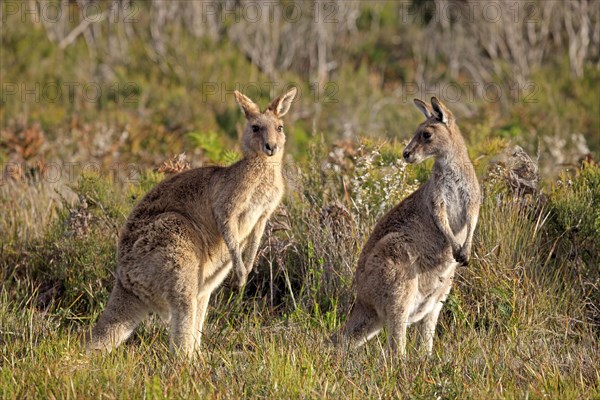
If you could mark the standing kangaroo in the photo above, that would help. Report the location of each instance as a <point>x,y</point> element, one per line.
<point>406,268</point>
<point>182,239</point>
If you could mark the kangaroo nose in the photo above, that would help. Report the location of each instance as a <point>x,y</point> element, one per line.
<point>270,149</point>
<point>406,154</point>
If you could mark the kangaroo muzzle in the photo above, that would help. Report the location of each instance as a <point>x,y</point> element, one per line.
<point>409,154</point>
<point>270,149</point>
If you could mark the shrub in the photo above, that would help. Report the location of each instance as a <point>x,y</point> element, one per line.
<point>575,232</point>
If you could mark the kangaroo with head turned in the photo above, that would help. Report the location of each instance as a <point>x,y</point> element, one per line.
<point>406,268</point>
<point>182,239</point>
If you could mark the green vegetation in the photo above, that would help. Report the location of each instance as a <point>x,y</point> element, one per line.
<point>523,320</point>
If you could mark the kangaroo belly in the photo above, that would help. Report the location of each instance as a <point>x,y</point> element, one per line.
<point>258,206</point>
<point>214,280</point>
<point>433,289</point>
<point>248,219</point>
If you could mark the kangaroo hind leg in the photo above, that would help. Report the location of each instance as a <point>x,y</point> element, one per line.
<point>362,324</point>
<point>122,314</point>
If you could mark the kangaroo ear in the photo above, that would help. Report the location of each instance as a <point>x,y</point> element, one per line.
<point>425,109</point>
<point>281,105</point>
<point>248,106</point>
<point>441,113</point>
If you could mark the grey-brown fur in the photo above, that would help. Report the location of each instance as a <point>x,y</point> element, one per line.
<point>189,231</point>
<point>406,268</point>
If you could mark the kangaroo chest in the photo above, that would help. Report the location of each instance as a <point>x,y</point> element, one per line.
<point>455,199</point>
<point>257,205</point>
<point>253,207</point>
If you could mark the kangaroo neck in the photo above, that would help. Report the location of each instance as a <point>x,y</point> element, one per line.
<point>267,167</point>
<point>452,164</point>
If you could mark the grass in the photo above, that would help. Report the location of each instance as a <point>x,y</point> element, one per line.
<point>288,358</point>
<point>519,322</point>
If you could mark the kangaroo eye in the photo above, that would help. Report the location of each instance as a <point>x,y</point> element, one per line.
<point>280,128</point>
<point>255,128</point>
<point>426,135</point>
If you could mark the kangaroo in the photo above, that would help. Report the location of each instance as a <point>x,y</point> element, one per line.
<point>406,268</point>
<point>182,239</point>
